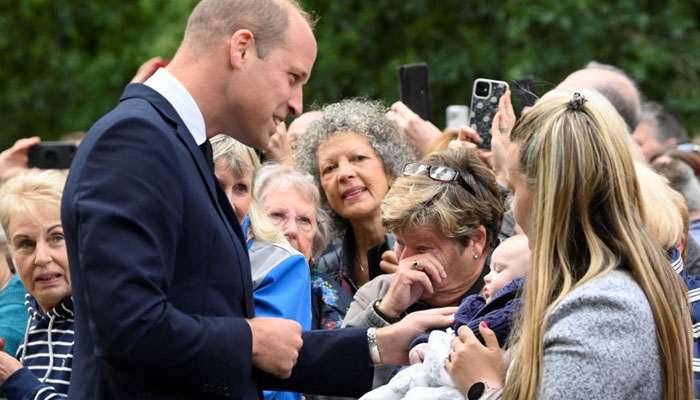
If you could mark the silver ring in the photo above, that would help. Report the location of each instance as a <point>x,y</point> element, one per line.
<point>504,128</point>
<point>449,355</point>
<point>415,263</point>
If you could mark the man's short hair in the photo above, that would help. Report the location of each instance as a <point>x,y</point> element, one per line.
<point>664,122</point>
<point>213,20</point>
<point>625,106</point>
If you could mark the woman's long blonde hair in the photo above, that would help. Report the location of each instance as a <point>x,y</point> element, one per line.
<point>586,221</point>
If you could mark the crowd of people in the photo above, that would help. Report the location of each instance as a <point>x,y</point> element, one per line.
<point>198,247</point>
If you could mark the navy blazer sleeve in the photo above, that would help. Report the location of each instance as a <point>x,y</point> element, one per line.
<point>134,209</point>
<point>332,363</point>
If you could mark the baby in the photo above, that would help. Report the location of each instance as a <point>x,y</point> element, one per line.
<point>427,378</point>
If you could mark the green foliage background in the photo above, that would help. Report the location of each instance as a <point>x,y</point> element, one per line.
<point>64,63</point>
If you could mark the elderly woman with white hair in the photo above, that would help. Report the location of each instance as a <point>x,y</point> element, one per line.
<point>293,203</point>
<point>354,154</point>
<point>30,215</point>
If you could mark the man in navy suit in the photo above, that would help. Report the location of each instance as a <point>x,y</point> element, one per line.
<point>161,277</point>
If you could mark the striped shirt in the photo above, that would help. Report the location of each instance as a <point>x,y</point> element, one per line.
<point>692,282</point>
<point>46,354</point>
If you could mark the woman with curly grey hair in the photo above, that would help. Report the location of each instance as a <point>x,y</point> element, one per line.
<point>354,153</point>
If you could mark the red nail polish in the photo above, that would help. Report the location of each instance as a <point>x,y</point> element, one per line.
<point>483,324</point>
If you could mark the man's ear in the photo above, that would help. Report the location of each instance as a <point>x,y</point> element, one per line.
<point>241,47</point>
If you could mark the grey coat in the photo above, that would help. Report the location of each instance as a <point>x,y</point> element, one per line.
<point>600,343</point>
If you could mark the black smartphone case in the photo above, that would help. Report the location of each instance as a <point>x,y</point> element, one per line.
<point>483,109</point>
<point>51,155</point>
<point>414,90</point>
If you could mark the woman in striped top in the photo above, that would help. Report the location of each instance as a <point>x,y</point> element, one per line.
<point>30,214</point>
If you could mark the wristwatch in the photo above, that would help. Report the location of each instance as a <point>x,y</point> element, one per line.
<point>478,389</point>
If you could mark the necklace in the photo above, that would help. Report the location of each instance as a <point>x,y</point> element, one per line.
<point>357,258</point>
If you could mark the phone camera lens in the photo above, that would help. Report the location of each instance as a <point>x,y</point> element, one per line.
<point>483,89</point>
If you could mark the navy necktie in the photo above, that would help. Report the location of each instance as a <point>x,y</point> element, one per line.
<point>208,154</point>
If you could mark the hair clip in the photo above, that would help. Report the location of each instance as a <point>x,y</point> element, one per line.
<point>577,101</point>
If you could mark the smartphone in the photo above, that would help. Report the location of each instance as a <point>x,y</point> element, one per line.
<point>457,115</point>
<point>414,90</point>
<point>51,155</point>
<point>485,96</point>
<point>525,88</point>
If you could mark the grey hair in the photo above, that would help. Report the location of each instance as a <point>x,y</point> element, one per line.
<point>681,178</point>
<point>625,106</point>
<point>213,20</point>
<point>665,123</point>
<point>278,177</point>
<point>360,116</point>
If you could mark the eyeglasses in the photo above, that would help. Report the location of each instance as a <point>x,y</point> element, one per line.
<point>302,222</point>
<point>439,173</point>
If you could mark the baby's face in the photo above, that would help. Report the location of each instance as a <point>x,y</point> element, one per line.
<point>510,260</point>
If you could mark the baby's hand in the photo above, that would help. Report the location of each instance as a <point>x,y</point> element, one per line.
<point>417,353</point>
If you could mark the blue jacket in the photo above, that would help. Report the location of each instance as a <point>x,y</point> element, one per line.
<point>498,314</point>
<point>46,353</point>
<point>281,288</point>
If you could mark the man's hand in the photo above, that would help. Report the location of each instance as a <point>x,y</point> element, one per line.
<point>417,131</point>
<point>393,340</point>
<point>279,147</point>
<point>8,364</point>
<point>413,280</point>
<point>276,344</point>
<point>14,160</point>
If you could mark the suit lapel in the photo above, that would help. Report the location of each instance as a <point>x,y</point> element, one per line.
<point>216,194</point>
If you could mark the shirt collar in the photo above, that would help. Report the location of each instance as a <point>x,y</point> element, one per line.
<point>169,87</point>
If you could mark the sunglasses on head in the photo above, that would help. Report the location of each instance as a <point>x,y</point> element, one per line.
<point>439,173</point>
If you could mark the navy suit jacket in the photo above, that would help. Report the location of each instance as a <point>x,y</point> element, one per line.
<point>160,273</point>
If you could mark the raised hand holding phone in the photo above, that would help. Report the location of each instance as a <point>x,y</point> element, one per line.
<point>486,94</point>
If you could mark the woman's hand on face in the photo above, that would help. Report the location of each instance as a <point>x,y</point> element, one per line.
<point>389,263</point>
<point>469,361</point>
<point>414,278</point>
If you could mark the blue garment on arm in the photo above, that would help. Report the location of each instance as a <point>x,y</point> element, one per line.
<point>281,288</point>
